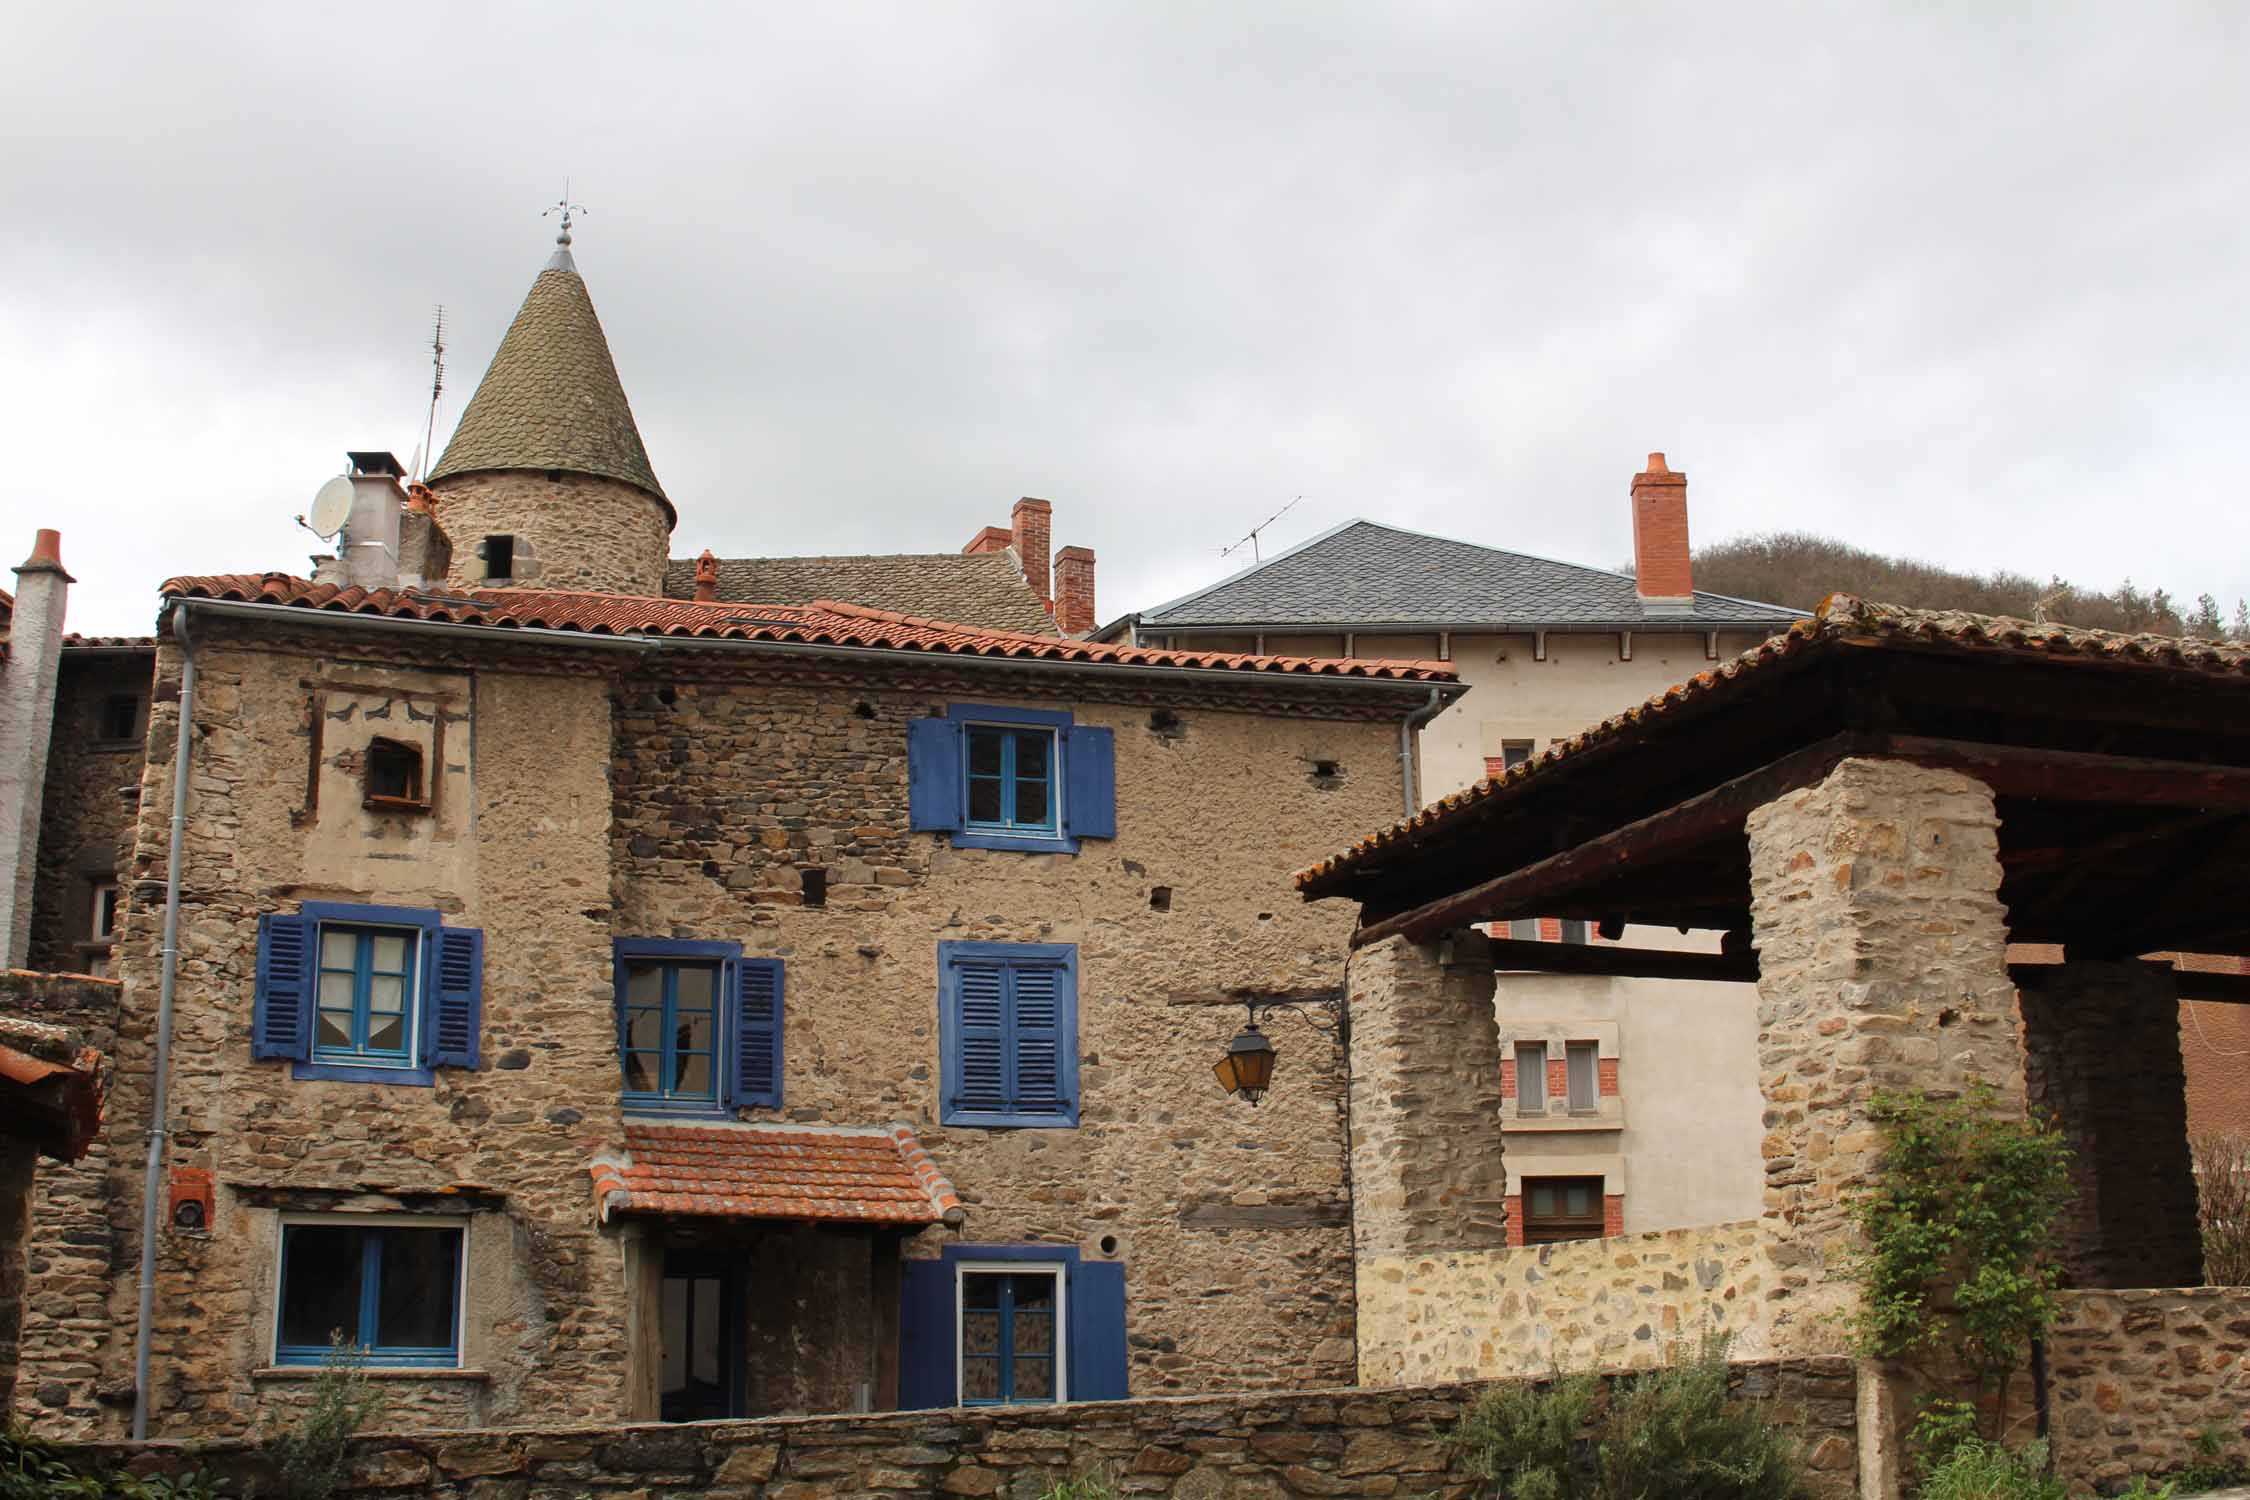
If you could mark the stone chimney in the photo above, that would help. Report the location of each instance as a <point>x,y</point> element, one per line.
<point>1034,526</point>
<point>1661,571</point>
<point>991,539</point>
<point>32,661</point>
<point>1074,590</point>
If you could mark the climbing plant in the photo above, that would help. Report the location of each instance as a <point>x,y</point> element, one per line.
<point>1955,1273</point>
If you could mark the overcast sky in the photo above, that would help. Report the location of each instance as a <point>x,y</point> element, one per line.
<point>1922,277</point>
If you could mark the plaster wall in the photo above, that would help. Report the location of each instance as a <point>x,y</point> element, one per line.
<point>27,707</point>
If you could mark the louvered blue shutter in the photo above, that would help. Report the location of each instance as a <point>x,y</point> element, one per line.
<point>754,1076</point>
<point>978,1065</point>
<point>456,1013</point>
<point>925,1334</point>
<point>281,1012</point>
<point>1098,1364</point>
<point>1090,790</point>
<point>933,775</point>
<point>1039,1043</point>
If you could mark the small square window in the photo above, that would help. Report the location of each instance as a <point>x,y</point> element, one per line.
<point>1011,780</point>
<point>394,776</point>
<point>366,1010</point>
<point>391,1290</point>
<point>1561,1208</point>
<point>499,557</point>
<point>121,716</point>
<point>1531,1078</point>
<point>105,911</point>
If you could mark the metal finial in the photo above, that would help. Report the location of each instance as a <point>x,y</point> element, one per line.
<point>563,206</point>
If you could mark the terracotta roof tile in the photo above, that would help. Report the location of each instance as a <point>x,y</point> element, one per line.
<point>865,1175</point>
<point>76,642</point>
<point>823,622</point>
<point>986,589</point>
<point>51,1087</point>
<point>1840,618</point>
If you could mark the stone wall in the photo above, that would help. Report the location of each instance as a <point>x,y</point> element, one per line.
<point>1274,1445</point>
<point>19,1165</point>
<point>1882,947</point>
<point>91,788</point>
<point>2134,1375</point>
<point>77,1209</point>
<point>1609,1304</point>
<point>573,531</point>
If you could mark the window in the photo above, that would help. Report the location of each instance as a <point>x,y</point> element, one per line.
<point>394,775</point>
<point>499,557</point>
<point>376,994</point>
<point>1011,778</point>
<point>364,1009</point>
<point>1574,930</point>
<point>1531,1078</point>
<point>698,1026</point>
<point>105,911</point>
<point>1585,1089</point>
<point>1008,1033</point>
<point>1561,1208</point>
<point>1011,1334</point>
<point>391,1289</point>
<point>121,716</point>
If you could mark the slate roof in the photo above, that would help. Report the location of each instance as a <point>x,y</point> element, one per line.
<point>1841,620</point>
<point>823,623</point>
<point>1365,573</point>
<point>984,588</point>
<point>831,1173</point>
<point>551,398</point>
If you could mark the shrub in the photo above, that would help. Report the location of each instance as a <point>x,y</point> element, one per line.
<point>1977,1470</point>
<point>2222,1190</point>
<point>1095,1486</point>
<point>1526,1442</point>
<point>310,1452</point>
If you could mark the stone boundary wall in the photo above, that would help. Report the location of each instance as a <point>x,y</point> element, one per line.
<point>1621,1303</point>
<point>2132,1375</point>
<point>1269,1445</point>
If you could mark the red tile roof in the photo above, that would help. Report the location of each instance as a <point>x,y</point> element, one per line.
<point>864,1175</point>
<point>76,642</point>
<point>51,1087</point>
<point>824,622</point>
<point>1840,620</point>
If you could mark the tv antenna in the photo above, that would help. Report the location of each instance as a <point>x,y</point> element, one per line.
<point>1252,538</point>
<point>437,389</point>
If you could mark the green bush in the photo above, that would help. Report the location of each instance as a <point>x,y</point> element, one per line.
<point>1670,1433</point>
<point>1977,1470</point>
<point>31,1469</point>
<point>310,1453</point>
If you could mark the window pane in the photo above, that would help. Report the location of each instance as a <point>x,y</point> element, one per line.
<point>693,1031</point>
<point>644,983</point>
<point>984,752</point>
<point>641,1070</point>
<point>337,948</point>
<point>980,1379</point>
<point>336,990</point>
<point>414,1306</point>
<point>980,1332</point>
<point>644,1029</point>
<point>984,801</point>
<point>1035,1380</point>
<point>319,1284</point>
<point>1032,753</point>
<point>386,1033</point>
<point>334,1030</point>
<point>1531,1078</point>
<point>1578,1202</point>
<point>1035,1331</point>
<point>695,1078</point>
<point>1585,1093</point>
<point>698,988</point>
<point>1542,1201</point>
<point>386,993</point>
<point>390,952</point>
<point>1031,802</point>
<point>703,1360</point>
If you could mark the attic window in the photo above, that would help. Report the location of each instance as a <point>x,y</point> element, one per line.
<point>121,715</point>
<point>499,557</point>
<point>394,777</point>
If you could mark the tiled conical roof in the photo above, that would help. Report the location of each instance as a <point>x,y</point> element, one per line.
<point>551,399</point>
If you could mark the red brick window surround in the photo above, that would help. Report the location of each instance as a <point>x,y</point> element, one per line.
<point>1556,1209</point>
<point>1613,1220</point>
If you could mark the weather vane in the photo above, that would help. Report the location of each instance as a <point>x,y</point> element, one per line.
<point>566,208</point>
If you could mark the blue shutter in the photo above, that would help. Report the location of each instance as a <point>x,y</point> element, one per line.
<point>933,775</point>
<point>976,1036</point>
<point>925,1334</point>
<point>1090,795</point>
<point>281,1013</point>
<point>1097,1331</point>
<point>456,1012</point>
<point>1039,1041</point>
<point>754,1076</point>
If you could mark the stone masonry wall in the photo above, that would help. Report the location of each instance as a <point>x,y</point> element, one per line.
<point>2102,1058</point>
<point>2134,1375</point>
<point>1882,947</point>
<point>1608,1304</point>
<point>72,1250</point>
<point>19,1165</point>
<point>582,531</point>
<point>1272,1446</point>
<point>84,817</point>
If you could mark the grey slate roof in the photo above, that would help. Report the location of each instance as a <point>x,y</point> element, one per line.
<point>1366,574</point>
<point>984,589</point>
<point>551,398</point>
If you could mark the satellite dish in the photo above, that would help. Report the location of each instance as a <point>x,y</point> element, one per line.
<point>331,506</point>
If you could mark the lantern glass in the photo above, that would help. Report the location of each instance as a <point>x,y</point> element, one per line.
<point>1247,1069</point>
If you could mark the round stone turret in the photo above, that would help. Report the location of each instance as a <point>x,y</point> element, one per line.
<point>546,483</point>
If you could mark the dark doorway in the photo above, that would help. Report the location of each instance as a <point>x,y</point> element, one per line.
<point>701,1377</point>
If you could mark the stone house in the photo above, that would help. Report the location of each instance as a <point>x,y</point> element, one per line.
<point>603,1002</point>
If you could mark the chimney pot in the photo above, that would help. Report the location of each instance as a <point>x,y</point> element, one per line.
<point>1663,575</point>
<point>706,578</point>
<point>46,554</point>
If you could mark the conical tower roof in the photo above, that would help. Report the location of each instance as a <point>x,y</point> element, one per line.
<point>551,398</point>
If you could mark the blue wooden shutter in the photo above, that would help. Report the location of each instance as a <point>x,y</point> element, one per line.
<point>755,1073</point>
<point>1097,1331</point>
<point>978,1065</point>
<point>281,1013</point>
<point>933,775</point>
<point>925,1334</point>
<point>1039,1041</point>
<point>456,1011</point>
<point>1090,793</point>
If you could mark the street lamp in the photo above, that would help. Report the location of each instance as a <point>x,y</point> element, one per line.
<point>1247,1068</point>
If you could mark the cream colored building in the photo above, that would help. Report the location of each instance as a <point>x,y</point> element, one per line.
<point>1647,1117</point>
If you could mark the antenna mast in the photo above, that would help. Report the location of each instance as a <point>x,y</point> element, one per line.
<point>437,389</point>
<point>1252,537</point>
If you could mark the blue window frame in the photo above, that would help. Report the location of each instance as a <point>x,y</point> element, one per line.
<point>366,1000</point>
<point>1011,779</point>
<point>1024,779</point>
<point>1008,1034</point>
<point>1011,1334</point>
<point>393,1290</point>
<point>935,1328</point>
<point>698,1026</point>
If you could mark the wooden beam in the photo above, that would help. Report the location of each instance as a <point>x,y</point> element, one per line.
<point>1251,995</point>
<point>2201,984</point>
<point>2078,775</point>
<point>1622,963</point>
<point>1683,826</point>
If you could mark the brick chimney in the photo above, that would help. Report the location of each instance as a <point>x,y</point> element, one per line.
<point>1661,571</point>
<point>1074,590</point>
<point>32,661</point>
<point>1034,526</point>
<point>991,539</point>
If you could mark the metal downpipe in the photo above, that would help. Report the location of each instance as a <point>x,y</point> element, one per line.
<point>182,749</point>
<point>1406,728</point>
